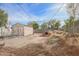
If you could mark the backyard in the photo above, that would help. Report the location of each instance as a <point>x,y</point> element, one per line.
<point>36,44</point>
<point>39,29</point>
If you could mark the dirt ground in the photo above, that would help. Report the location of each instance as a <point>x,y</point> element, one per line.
<point>57,44</point>
<point>18,42</point>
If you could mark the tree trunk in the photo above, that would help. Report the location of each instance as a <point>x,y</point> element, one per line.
<point>1,33</point>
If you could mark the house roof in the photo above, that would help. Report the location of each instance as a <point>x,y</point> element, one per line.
<point>17,24</point>
<point>21,25</point>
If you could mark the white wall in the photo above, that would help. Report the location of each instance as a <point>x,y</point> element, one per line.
<point>8,31</point>
<point>28,30</point>
<point>5,31</point>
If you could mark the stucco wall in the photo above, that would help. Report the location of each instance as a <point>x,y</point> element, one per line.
<point>17,31</point>
<point>28,31</point>
<point>22,30</point>
<point>5,31</point>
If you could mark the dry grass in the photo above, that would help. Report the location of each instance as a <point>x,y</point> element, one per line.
<point>56,45</point>
<point>40,50</point>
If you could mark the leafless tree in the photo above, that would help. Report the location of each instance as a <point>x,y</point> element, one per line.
<point>72,10</point>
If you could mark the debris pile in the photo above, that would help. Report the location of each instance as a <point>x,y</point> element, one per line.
<point>58,43</point>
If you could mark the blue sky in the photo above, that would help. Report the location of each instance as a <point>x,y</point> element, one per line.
<point>40,12</point>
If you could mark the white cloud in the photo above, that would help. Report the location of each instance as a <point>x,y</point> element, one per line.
<point>49,13</point>
<point>28,16</point>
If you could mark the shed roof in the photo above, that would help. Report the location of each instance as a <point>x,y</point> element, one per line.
<point>17,24</point>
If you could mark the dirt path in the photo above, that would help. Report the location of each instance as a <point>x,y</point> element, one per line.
<point>18,42</point>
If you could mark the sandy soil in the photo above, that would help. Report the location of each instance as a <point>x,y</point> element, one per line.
<point>18,42</point>
<point>58,44</point>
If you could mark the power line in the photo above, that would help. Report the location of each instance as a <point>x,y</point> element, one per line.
<point>58,10</point>
<point>21,8</point>
<point>7,7</point>
<point>24,12</point>
<point>41,21</point>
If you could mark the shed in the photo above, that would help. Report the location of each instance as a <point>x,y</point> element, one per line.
<point>21,30</point>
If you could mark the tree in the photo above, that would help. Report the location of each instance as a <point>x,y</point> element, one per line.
<point>72,9</point>
<point>55,24</point>
<point>66,25</point>
<point>44,26</point>
<point>34,24</point>
<point>69,23</point>
<point>73,12</point>
<point>3,19</point>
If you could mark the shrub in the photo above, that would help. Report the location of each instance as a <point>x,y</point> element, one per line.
<point>53,40</point>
